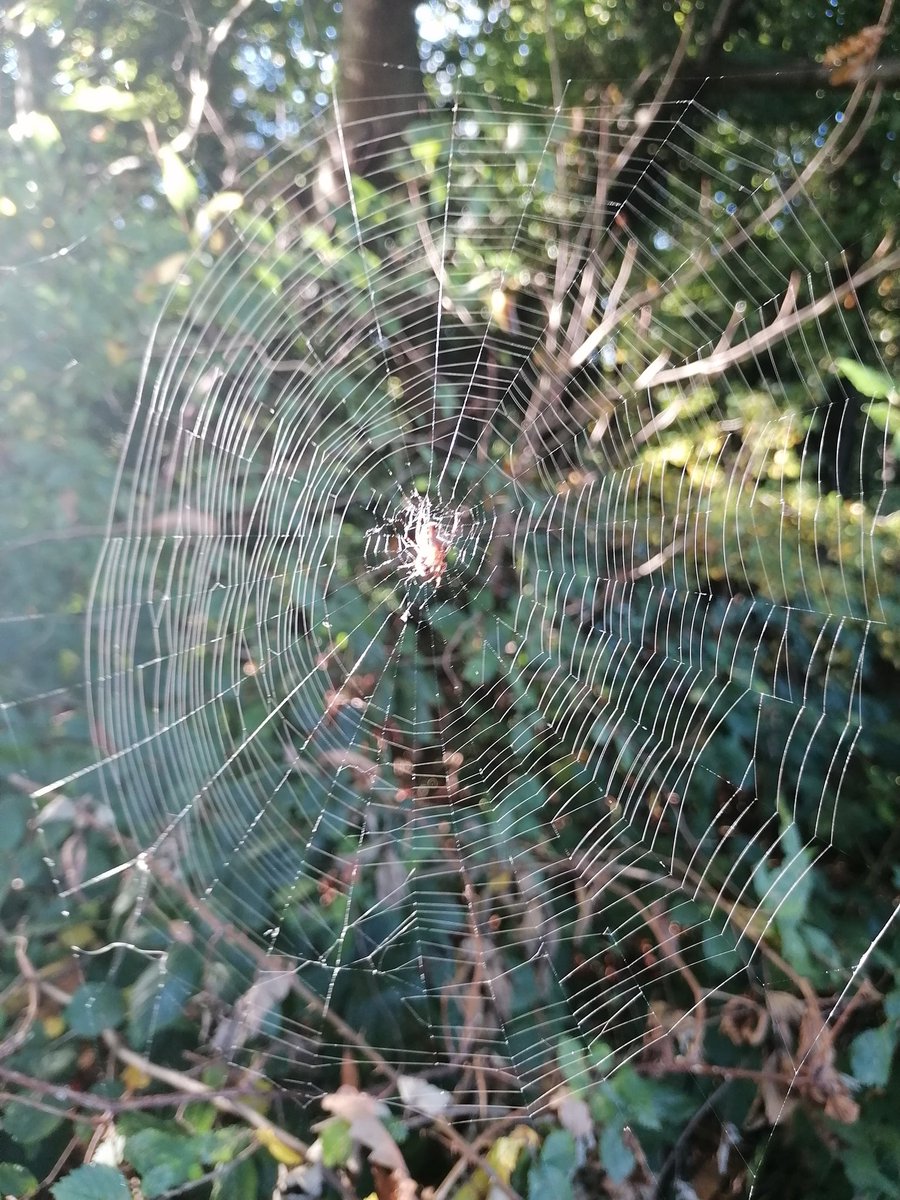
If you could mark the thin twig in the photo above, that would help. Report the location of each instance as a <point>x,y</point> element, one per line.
<point>485,1139</point>
<point>102,1105</point>
<point>16,1037</point>
<point>789,319</point>
<point>701,262</point>
<point>655,916</point>
<point>199,76</point>
<point>186,1083</point>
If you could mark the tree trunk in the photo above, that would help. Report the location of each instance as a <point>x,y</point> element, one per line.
<point>377,100</point>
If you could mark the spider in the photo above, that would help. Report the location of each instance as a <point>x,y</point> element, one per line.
<point>424,543</point>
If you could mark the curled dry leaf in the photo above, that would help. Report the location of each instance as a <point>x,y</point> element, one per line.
<point>365,1115</point>
<point>785,1012</point>
<point>268,989</point>
<point>777,1101</point>
<point>744,1021</point>
<point>811,1071</point>
<point>848,59</point>
<point>841,1106</point>
<point>389,1185</point>
<point>667,1036</point>
<point>818,1079</point>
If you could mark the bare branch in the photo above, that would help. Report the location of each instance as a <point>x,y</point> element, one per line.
<point>199,76</point>
<point>789,319</point>
<point>610,316</point>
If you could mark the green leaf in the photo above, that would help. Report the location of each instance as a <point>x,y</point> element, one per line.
<point>868,381</point>
<point>178,184</point>
<point>164,1160</point>
<point>886,415</point>
<point>721,954</point>
<point>26,1125</point>
<point>16,1180</point>
<point>95,1007</point>
<point>640,1098</point>
<point>560,1151</point>
<point>427,151</point>
<point>870,1055</point>
<point>160,993</point>
<point>574,1064</point>
<point>200,1117</point>
<point>617,1159</point>
<point>237,1182</point>
<point>552,1174</point>
<point>336,1142</point>
<point>93,1182</point>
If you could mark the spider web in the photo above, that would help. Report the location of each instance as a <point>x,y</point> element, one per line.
<point>479,636</point>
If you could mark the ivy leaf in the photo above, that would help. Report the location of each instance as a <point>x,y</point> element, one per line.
<point>92,1182</point>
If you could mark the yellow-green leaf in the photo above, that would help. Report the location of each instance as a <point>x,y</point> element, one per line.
<point>278,1149</point>
<point>178,184</point>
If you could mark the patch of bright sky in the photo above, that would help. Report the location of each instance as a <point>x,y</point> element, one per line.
<point>440,21</point>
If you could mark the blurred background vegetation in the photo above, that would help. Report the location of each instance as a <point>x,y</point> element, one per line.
<point>129,134</point>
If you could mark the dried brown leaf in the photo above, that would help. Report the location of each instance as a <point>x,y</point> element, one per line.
<point>744,1021</point>
<point>365,1115</point>
<point>268,989</point>
<point>778,1103</point>
<point>850,57</point>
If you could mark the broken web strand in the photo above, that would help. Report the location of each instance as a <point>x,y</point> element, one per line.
<point>555,597</point>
